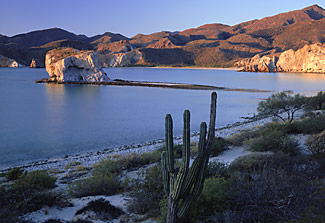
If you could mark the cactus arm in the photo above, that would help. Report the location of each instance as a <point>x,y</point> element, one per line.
<point>169,143</point>
<point>184,206</point>
<point>211,133</point>
<point>202,140</point>
<point>165,174</point>
<point>186,140</point>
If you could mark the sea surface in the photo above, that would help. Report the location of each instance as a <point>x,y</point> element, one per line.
<point>41,121</point>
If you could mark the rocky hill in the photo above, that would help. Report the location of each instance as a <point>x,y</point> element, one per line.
<point>211,45</point>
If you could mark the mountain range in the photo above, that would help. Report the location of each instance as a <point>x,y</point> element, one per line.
<point>211,45</point>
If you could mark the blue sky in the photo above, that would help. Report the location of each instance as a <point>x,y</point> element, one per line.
<point>130,17</point>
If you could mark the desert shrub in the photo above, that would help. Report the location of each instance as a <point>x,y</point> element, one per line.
<point>311,125</point>
<point>219,145</point>
<point>316,143</point>
<point>274,141</point>
<point>29,193</point>
<point>14,173</point>
<point>103,209</point>
<point>126,162</point>
<point>256,162</point>
<point>238,139</point>
<point>316,102</point>
<point>97,184</point>
<point>216,169</point>
<point>146,192</point>
<point>271,188</point>
<point>35,180</point>
<point>213,201</point>
<point>250,163</point>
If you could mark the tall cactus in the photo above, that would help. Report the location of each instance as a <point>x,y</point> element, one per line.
<point>183,186</point>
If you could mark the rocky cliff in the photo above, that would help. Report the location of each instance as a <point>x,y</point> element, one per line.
<point>71,65</point>
<point>309,59</point>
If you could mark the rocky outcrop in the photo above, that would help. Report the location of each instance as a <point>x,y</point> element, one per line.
<point>124,59</point>
<point>71,65</point>
<point>259,63</point>
<point>309,59</point>
<point>33,64</point>
<point>7,62</point>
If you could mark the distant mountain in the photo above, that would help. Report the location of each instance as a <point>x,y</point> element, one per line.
<point>211,45</point>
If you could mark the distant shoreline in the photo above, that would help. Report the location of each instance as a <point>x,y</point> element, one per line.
<point>185,67</point>
<point>119,82</point>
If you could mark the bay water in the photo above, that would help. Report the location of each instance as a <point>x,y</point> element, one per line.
<point>41,121</point>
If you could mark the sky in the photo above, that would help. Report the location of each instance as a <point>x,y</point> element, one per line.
<point>130,17</point>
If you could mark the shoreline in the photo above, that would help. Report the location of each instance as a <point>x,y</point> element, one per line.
<point>88,159</point>
<point>120,82</point>
<point>185,67</point>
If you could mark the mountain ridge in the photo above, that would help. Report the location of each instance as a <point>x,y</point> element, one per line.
<point>209,45</point>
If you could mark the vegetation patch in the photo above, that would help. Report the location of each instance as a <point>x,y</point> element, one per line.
<point>103,210</point>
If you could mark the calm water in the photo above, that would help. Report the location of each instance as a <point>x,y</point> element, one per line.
<point>40,121</point>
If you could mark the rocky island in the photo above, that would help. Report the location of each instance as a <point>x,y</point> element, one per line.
<point>71,65</point>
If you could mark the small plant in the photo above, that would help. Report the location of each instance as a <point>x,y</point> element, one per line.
<point>97,184</point>
<point>316,102</point>
<point>14,173</point>
<point>103,210</point>
<point>35,180</point>
<point>316,143</point>
<point>274,141</point>
<point>213,201</point>
<point>219,145</point>
<point>311,125</point>
<point>146,192</point>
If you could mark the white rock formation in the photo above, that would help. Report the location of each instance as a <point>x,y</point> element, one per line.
<point>309,59</point>
<point>7,62</point>
<point>124,59</point>
<point>71,65</point>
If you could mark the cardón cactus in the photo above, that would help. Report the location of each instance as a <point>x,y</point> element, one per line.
<point>183,186</point>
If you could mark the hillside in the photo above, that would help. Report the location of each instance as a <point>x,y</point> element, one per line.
<point>210,45</point>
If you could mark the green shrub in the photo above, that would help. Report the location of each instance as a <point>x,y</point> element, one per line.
<point>28,193</point>
<point>146,192</point>
<point>316,143</point>
<point>250,163</point>
<point>97,184</point>
<point>219,145</point>
<point>216,169</point>
<point>35,180</point>
<point>213,201</point>
<point>260,184</point>
<point>126,162</point>
<point>274,141</point>
<point>238,139</point>
<point>316,102</point>
<point>311,125</point>
<point>14,173</point>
